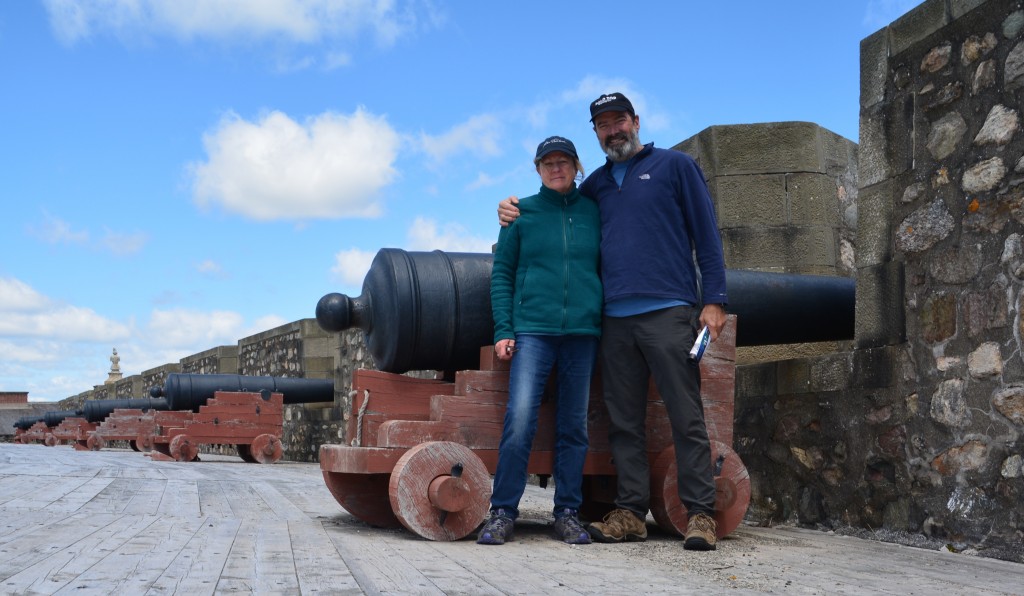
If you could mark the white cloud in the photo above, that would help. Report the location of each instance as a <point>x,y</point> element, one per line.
<point>55,350</point>
<point>426,234</point>
<point>480,135</point>
<point>210,268</point>
<point>331,166</point>
<point>27,352</point>
<point>17,296</point>
<point>335,60</point>
<point>123,244</point>
<point>350,266</point>
<point>182,328</point>
<point>68,323</point>
<point>54,230</point>
<point>296,21</point>
<point>592,87</point>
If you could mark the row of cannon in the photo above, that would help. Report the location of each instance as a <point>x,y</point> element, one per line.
<point>419,453</point>
<point>188,392</point>
<point>188,411</point>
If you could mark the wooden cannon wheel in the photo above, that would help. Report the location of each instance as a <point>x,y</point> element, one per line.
<point>440,490</point>
<point>182,448</point>
<point>95,442</point>
<point>266,449</point>
<point>144,441</point>
<point>49,440</point>
<point>363,495</point>
<point>133,444</point>
<point>732,490</point>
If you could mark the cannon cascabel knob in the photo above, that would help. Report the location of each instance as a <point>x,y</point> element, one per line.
<point>333,312</point>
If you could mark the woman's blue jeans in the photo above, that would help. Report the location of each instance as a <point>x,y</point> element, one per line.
<point>537,355</point>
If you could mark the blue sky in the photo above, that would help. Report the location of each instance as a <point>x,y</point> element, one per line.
<point>175,176</point>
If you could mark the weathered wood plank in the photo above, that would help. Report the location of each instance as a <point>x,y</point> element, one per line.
<point>134,566</point>
<point>64,566</point>
<point>260,560</point>
<point>318,564</point>
<point>213,501</point>
<point>376,566</point>
<point>197,568</point>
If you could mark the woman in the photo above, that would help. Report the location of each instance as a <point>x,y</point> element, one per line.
<point>546,302</point>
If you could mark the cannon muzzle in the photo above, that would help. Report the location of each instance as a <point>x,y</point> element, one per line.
<point>432,311</point>
<point>189,392</point>
<point>97,410</point>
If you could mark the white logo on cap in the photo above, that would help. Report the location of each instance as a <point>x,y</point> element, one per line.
<point>606,99</point>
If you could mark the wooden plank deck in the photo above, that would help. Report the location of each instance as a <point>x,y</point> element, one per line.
<point>115,522</point>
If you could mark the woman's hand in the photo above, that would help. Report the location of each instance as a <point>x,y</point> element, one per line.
<point>505,349</point>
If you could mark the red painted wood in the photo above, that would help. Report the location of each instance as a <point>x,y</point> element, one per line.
<point>244,419</point>
<point>414,477</point>
<point>403,413</point>
<point>732,490</point>
<point>183,448</point>
<point>266,448</point>
<point>365,496</point>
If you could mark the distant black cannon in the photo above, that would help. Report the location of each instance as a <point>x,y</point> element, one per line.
<point>55,417</point>
<point>97,410</point>
<point>26,422</point>
<point>189,391</point>
<point>432,310</point>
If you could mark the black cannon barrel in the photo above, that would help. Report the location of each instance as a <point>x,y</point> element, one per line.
<point>432,311</point>
<point>55,417</point>
<point>785,308</point>
<point>419,310</point>
<point>189,392</point>
<point>97,410</point>
<point>26,422</point>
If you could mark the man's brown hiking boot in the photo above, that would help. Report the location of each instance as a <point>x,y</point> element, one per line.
<point>618,526</point>
<point>701,533</point>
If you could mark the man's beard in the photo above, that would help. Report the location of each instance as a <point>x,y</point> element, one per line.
<point>622,151</point>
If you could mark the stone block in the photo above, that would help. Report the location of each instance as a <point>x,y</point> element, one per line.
<point>874,368</point>
<point>959,8</point>
<point>924,20</point>
<point>318,368</point>
<point>839,154</point>
<point>699,148</point>
<point>789,249</point>
<point>756,380</point>
<point>758,249</point>
<point>810,248</point>
<point>873,155</point>
<point>777,147</point>
<point>880,317</point>
<point>831,372</point>
<point>794,377</point>
<point>751,200</point>
<point>813,199</point>
<point>874,68</point>
<point>874,224</point>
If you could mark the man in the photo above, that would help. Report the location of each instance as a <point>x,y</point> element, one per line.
<point>656,212</point>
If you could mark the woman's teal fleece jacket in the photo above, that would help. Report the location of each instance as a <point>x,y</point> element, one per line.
<point>546,277</point>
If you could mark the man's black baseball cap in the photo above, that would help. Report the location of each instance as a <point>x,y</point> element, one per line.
<point>610,102</point>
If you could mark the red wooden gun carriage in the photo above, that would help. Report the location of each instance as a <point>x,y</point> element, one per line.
<point>421,452</point>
